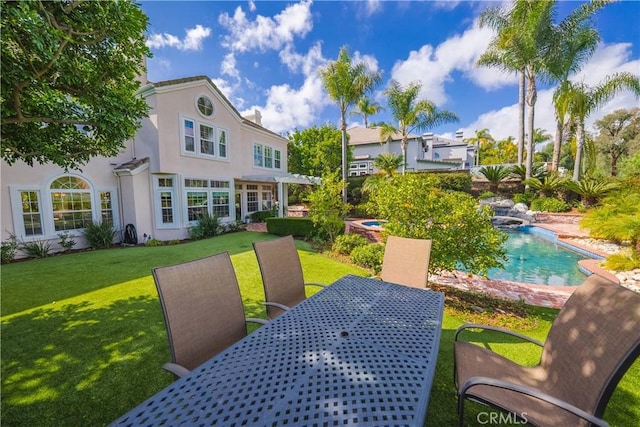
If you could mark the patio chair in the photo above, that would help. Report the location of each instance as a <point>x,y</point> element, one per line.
<point>593,341</point>
<point>406,261</point>
<point>202,309</point>
<point>282,276</point>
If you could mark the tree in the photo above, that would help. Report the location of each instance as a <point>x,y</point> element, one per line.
<point>366,107</point>
<point>481,139</point>
<point>573,42</point>
<point>388,163</point>
<point>346,83</point>
<point>315,151</point>
<point>68,79</point>
<point>618,131</point>
<point>462,233</point>
<point>326,209</point>
<point>583,100</point>
<point>411,114</point>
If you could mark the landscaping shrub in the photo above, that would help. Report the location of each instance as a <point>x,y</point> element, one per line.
<point>622,261</point>
<point>369,256</point>
<point>8,249</point>
<point>549,204</point>
<point>455,182</point>
<point>36,248</point>
<point>486,195</point>
<point>261,216</point>
<point>525,198</point>
<point>154,242</point>
<point>299,227</point>
<point>207,226</point>
<point>66,241</point>
<point>99,234</point>
<point>346,243</point>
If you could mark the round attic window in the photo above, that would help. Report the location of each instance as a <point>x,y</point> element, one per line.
<point>205,106</point>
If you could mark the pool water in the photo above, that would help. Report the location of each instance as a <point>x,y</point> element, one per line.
<point>533,259</point>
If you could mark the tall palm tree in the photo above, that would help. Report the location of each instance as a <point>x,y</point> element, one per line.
<point>346,83</point>
<point>573,43</point>
<point>365,108</point>
<point>524,33</point>
<point>583,100</point>
<point>411,114</point>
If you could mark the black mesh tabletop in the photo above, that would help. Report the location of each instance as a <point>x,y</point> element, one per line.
<point>359,352</point>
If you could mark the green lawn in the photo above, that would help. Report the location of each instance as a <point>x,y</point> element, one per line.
<point>83,338</point>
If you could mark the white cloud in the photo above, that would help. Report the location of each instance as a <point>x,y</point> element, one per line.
<point>252,5</point>
<point>369,61</point>
<point>265,33</point>
<point>192,40</point>
<point>228,66</point>
<point>433,67</point>
<point>307,64</point>
<point>288,108</point>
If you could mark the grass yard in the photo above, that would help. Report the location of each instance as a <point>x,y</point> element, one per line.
<point>83,338</point>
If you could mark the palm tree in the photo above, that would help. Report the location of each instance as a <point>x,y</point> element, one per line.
<point>346,83</point>
<point>365,108</point>
<point>498,55</point>
<point>411,114</point>
<point>573,43</point>
<point>388,163</point>
<point>583,100</point>
<point>481,138</point>
<point>524,34</point>
<point>495,174</point>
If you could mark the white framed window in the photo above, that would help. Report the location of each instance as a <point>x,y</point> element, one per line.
<point>222,143</point>
<point>205,106</point>
<point>258,155</point>
<point>189,136</point>
<point>204,196</point>
<point>66,203</point>
<point>207,140</point>
<point>268,157</point>
<point>204,140</point>
<point>265,156</point>
<point>31,216</point>
<point>277,159</point>
<point>266,199</point>
<point>71,203</point>
<point>165,201</point>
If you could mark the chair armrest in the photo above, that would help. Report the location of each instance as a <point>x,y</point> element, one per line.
<point>256,320</point>
<point>177,370</point>
<point>496,329</point>
<point>322,285</point>
<point>275,304</point>
<point>493,382</point>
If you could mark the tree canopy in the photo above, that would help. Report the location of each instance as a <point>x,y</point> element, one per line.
<point>316,150</point>
<point>69,79</point>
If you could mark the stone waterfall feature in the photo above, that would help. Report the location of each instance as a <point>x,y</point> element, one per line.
<point>507,213</point>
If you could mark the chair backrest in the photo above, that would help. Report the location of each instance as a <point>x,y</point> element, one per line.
<point>202,308</point>
<point>591,344</point>
<point>406,261</point>
<point>281,273</point>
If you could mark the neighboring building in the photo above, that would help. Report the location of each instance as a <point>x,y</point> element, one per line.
<point>194,153</point>
<point>427,152</point>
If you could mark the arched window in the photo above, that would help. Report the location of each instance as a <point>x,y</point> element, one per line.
<point>71,203</point>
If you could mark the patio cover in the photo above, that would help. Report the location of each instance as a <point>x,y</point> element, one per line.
<point>281,179</point>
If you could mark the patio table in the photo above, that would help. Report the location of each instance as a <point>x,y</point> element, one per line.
<point>359,352</point>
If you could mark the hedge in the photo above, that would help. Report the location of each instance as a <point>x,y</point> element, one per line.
<point>299,227</point>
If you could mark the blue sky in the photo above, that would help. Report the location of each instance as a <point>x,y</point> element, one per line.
<point>265,55</point>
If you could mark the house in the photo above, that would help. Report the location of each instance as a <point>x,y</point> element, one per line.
<point>194,153</point>
<point>426,152</point>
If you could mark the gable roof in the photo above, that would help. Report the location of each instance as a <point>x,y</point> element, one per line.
<point>359,135</point>
<point>152,87</point>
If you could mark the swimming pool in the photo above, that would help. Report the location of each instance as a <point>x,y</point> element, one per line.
<point>538,258</point>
